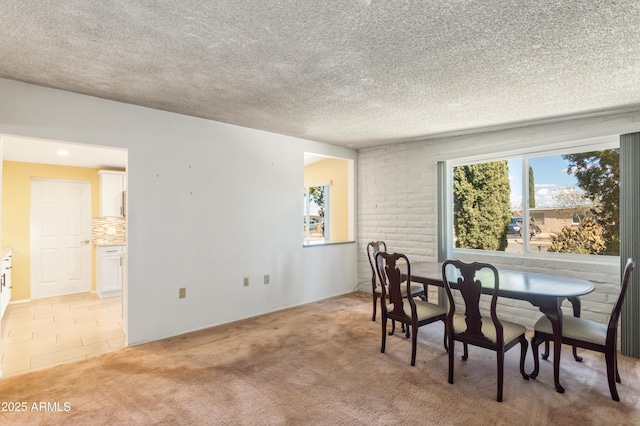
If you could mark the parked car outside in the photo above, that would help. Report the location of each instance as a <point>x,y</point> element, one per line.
<point>515,226</point>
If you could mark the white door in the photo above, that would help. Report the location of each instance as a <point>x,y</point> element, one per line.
<point>60,237</point>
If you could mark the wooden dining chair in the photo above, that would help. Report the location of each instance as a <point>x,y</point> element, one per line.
<point>472,328</point>
<point>587,334</point>
<point>412,312</point>
<point>372,249</point>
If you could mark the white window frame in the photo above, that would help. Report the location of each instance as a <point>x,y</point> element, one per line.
<point>595,144</point>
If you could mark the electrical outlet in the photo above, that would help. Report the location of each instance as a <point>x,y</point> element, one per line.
<point>182,293</point>
<point>246,281</point>
<point>267,279</point>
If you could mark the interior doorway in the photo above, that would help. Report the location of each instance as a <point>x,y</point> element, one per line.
<point>23,158</point>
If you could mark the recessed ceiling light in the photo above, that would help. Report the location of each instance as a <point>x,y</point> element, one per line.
<point>62,152</point>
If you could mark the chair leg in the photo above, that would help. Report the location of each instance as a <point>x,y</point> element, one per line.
<point>375,305</point>
<point>393,327</point>
<point>414,342</point>
<point>575,354</point>
<point>384,332</point>
<point>500,357</point>
<point>465,352</point>
<point>535,343</point>
<point>446,343</point>
<point>451,348</point>
<point>524,345</point>
<point>610,358</point>
<point>545,355</point>
<point>617,373</point>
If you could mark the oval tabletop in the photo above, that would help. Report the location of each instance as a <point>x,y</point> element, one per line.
<point>515,283</point>
<point>543,284</point>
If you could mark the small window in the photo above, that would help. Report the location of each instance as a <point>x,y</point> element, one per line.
<point>328,200</point>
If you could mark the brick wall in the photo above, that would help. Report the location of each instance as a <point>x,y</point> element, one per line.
<point>397,197</point>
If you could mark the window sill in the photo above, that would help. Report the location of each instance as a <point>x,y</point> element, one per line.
<point>506,257</point>
<point>308,244</point>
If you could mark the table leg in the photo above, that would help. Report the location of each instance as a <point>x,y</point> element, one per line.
<point>554,313</point>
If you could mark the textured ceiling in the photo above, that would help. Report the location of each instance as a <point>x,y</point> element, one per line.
<point>356,73</point>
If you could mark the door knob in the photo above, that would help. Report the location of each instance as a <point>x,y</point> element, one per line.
<point>85,242</point>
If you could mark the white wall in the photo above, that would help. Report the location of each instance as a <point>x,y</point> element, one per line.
<point>397,203</point>
<point>208,204</point>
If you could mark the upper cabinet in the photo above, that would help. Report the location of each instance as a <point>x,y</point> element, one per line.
<point>113,187</point>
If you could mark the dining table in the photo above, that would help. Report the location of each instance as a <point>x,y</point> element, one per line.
<point>545,291</point>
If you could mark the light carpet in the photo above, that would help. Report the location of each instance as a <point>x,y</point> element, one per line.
<point>318,364</point>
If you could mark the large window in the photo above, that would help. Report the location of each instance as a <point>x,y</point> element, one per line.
<point>557,201</point>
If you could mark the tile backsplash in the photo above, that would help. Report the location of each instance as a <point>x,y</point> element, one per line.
<point>108,230</point>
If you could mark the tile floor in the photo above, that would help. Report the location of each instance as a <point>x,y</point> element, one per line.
<point>59,330</point>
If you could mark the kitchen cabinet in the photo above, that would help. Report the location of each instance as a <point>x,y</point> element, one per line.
<point>109,271</point>
<point>113,187</point>
<point>5,282</point>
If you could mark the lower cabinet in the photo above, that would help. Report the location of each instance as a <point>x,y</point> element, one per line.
<point>109,271</point>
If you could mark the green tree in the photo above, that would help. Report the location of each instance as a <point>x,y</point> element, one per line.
<point>482,205</point>
<point>316,195</point>
<point>598,174</point>
<point>532,190</point>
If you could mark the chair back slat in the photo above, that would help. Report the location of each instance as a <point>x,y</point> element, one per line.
<point>467,278</point>
<point>391,278</point>
<point>373,248</point>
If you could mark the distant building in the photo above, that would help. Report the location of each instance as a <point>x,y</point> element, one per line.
<point>551,220</point>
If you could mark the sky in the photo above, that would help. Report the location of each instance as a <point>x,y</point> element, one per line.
<point>550,174</point>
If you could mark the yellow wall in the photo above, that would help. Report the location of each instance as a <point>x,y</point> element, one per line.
<point>337,171</point>
<point>16,205</point>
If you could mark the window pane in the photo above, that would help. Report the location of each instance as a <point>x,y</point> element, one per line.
<point>481,205</point>
<point>576,203</point>
<point>315,213</point>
